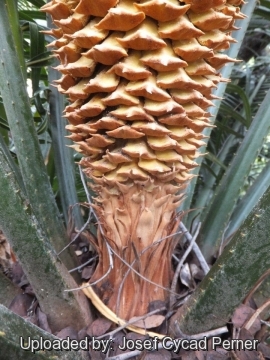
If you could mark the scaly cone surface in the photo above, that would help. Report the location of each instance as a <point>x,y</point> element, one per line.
<point>139,77</point>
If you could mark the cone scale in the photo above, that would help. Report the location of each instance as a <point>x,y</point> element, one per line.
<point>139,77</point>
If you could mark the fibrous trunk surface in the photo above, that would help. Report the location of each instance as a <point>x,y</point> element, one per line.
<point>139,76</point>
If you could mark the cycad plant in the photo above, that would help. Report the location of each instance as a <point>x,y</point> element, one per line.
<point>162,96</point>
<point>139,78</point>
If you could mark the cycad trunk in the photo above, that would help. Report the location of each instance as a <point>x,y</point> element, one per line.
<point>139,77</point>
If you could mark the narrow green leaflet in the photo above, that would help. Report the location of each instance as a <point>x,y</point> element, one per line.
<point>13,20</point>
<point>226,194</point>
<point>263,12</point>
<point>31,14</point>
<point>249,200</point>
<point>64,162</point>
<point>234,114</point>
<point>232,88</point>
<point>214,159</point>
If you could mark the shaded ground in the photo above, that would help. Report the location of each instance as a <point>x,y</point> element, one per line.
<point>248,328</point>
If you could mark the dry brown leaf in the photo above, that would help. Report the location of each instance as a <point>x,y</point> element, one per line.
<point>196,272</point>
<point>242,314</point>
<point>43,321</point>
<point>16,273</point>
<point>247,354</point>
<point>99,327</point>
<point>200,354</point>
<point>68,332</point>
<point>221,354</point>
<point>149,322</point>
<point>21,303</point>
<point>118,341</point>
<point>265,350</point>
<point>156,304</point>
<point>87,272</point>
<point>161,354</point>
<point>82,333</point>
<point>97,355</point>
<point>189,355</point>
<point>185,276</point>
<point>32,319</point>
